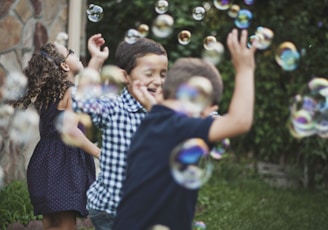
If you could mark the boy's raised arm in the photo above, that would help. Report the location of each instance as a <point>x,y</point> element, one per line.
<point>239,117</point>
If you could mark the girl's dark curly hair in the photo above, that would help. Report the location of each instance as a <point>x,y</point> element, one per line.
<point>47,81</point>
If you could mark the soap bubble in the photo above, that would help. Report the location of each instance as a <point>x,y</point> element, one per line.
<point>88,84</point>
<point>199,225</point>
<point>220,149</point>
<point>131,36</point>
<point>163,25</point>
<point>222,4</point>
<point>190,163</point>
<point>287,56</point>
<point>214,53</point>
<point>14,86</point>
<point>208,41</point>
<point>112,80</point>
<point>161,6</point>
<point>198,13</point>
<point>233,11</point>
<point>195,95</point>
<point>243,19</point>
<point>143,30</point>
<point>262,38</point>
<point>95,13</point>
<point>184,37</point>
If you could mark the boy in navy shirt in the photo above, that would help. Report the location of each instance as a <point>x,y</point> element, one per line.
<point>151,196</point>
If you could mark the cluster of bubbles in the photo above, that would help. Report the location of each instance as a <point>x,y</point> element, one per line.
<point>287,56</point>
<point>17,127</point>
<point>309,110</point>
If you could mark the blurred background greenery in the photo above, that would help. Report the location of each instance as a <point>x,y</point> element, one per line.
<point>304,23</point>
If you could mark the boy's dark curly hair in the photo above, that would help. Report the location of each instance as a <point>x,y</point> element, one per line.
<point>47,81</point>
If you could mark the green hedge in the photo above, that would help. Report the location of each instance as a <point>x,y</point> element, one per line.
<point>304,23</point>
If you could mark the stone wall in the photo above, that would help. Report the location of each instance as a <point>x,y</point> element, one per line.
<point>25,25</point>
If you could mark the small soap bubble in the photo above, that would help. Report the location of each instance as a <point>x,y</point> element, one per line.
<point>199,225</point>
<point>88,85</point>
<point>163,25</point>
<point>112,80</point>
<point>184,37</point>
<point>131,36</point>
<point>233,11</point>
<point>190,163</point>
<point>23,126</point>
<point>243,19</point>
<point>161,6</point>
<point>195,95</point>
<point>65,124</point>
<point>198,13</point>
<point>95,13</point>
<point>62,38</point>
<point>222,4</point>
<point>214,53</point>
<point>220,149</point>
<point>264,37</point>
<point>287,56</point>
<point>14,86</point>
<point>208,42</point>
<point>143,30</point>
<point>249,2</point>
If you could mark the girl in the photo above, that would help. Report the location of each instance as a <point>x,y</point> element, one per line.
<point>58,175</point>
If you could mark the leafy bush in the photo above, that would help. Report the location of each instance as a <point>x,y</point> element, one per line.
<point>305,24</point>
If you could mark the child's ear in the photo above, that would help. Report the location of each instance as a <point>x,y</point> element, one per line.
<point>64,66</point>
<point>125,76</point>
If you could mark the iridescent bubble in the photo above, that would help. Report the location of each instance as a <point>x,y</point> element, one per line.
<point>112,80</point>
<point>6,114</point>
<point>14,86</point>
<point>163,25</point>
<point>208,42</point>
<point>265,36</point>
<point>184,37</point>
<point>198,13</point>
<point>190,163</point>
<point>161,6</point>
<point>220,148</point>
<point>317,84</point>
<point>214,53</point>
<point>131,36</point>
<point>143,30</point>
<point>249,2</point>
<point>23,126</point>
<point>233,11</point>
<point>95,13</point>
<point>287,56</point>
<point>243,19</point>
<point>65,124</point>
<point>88,84</point>
<point>222,4</point>
<point>302,124</point>
<point>195,95</point>
<point>321,125</point>
<point>62,38</point>
<point>199,225</point>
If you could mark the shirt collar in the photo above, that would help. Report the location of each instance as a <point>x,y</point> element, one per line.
<point>130,103</point>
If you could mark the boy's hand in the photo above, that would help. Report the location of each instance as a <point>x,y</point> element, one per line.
<point>141,93</point>
<point>242,56</point>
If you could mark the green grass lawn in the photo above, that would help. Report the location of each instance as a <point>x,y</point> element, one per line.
<point>233,198</point>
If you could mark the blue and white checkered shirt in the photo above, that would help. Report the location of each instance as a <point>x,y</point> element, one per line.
<point>118,118</point>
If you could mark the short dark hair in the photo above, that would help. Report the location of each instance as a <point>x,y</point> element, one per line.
<point>126,54</point>
<point>186,68</point>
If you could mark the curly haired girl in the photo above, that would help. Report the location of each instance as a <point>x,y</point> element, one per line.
<point>58,175</point>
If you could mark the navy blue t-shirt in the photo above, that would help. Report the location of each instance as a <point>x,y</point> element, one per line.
<point>150,194</point>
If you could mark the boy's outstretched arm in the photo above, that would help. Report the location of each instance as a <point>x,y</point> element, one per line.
<point>98,54</point>
<point>239,117</point>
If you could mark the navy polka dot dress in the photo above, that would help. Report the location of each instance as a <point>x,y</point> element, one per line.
<point>58,175</point>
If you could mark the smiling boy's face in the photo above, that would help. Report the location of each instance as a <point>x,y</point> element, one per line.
<point>151,70</point>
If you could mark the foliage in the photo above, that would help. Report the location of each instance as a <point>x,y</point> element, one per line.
<point>305,24</point>
<point>15,204</point>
